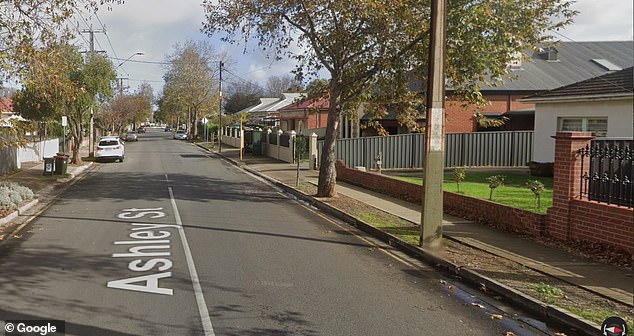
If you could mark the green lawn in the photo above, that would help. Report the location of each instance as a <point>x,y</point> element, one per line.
<point>514,192</point>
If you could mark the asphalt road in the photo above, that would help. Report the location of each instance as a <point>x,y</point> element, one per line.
<point>174,241</point>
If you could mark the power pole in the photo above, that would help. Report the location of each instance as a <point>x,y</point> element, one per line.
<point>431,218</point>
<point>220,110</point>
<point>91,136</point>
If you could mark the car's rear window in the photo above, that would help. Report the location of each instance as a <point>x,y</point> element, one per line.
<point>108,143</point>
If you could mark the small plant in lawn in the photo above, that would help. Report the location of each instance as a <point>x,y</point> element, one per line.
<point>536,187</point>
<point>459,175</point>
<point>494,182</point>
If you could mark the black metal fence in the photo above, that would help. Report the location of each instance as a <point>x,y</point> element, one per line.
<point>285,140</point>
<point>607,171</point>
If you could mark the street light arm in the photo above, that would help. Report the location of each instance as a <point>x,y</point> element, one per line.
<point>138,53</point>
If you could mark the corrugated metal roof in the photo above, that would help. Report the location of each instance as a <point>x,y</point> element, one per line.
<point>574,64</point>
<point>613,83</point>
<point>318,103</point>
<point>273,104</point>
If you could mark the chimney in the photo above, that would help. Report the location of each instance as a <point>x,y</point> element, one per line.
<point>552,55</point>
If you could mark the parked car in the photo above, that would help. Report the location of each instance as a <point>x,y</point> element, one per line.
<point>141,129</point>
<point>110,148</point>
<point>180,135</point>
<point>131,136</point>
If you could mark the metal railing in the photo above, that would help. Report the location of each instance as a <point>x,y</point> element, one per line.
<point>607,171</point>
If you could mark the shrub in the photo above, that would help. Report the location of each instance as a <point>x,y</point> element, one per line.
<point>12,194</point>
<point>494,182</point>
<point>536,187</point>
<point>459,175</point>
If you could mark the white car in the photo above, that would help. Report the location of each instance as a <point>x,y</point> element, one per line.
<point>110,148</point>
<point>180,135</point>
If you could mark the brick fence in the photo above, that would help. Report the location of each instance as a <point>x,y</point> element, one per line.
<point>575,218</point>
<point>571,218</point>
<point>482,211</point>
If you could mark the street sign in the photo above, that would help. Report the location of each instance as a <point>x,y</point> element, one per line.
<point>204,120</point>
<point>64,121</point>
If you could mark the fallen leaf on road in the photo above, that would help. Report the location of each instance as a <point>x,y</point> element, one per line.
<point>452,288</point>
<point>496,317</point>
<point>560,334</point>
<point>477,305</point>
<point>510,333</point>
<point>443,282</point>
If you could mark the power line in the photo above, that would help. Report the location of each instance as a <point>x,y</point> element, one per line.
<point>105,32</point>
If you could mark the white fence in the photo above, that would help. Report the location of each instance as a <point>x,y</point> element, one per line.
<point>275,144</point>
<point>12,158</point>
<point>37,151</point>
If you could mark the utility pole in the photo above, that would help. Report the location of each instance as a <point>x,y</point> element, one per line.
<point>431,218</point>
<point>91,136</point>
<point>220,110</point>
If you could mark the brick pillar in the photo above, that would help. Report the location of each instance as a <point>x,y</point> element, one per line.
<point>566,181</point>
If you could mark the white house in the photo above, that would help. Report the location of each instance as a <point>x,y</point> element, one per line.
<point>602,105</point>
<point>266,112</point>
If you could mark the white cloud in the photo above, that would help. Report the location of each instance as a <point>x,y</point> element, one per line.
<point>601,20</point>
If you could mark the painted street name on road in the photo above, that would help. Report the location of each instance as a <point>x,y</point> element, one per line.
<point>150,248</point>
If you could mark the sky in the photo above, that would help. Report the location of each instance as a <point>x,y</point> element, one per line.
<point>155,26</point>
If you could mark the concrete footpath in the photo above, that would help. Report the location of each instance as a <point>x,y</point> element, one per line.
<point>602,279</point>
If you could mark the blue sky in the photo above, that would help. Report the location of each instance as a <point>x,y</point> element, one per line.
<point>154,26</point>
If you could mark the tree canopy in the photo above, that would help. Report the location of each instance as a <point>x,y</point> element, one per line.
<point>57,82</point>
<point>371,48</point>
<point>241,95</point>
<point>191,83</point>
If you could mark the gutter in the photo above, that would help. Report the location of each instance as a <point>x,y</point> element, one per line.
<point>579,98</point>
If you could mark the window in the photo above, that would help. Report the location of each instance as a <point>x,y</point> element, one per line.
<point>598,126</point>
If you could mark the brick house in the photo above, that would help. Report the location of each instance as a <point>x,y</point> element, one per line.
<point>547,69</point>
<point>305,116</point>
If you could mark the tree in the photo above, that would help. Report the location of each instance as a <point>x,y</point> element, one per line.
<point>241,96</point>
<point>59,83</point>
<point>459,175</point>
<point>495,181</point>
<point>537,187</point>
<point>28,24</point>
<point>128,109</point>
<point>371,48</point>
<point>276,85</point>
<point>25,27</point>
<point>191,81</point>
<point>144,98</point>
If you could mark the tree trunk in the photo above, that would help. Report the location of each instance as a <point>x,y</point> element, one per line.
<point>327,171</point>
<point>77,130</point>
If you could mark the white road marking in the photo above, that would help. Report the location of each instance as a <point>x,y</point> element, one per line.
<point>200,298</point>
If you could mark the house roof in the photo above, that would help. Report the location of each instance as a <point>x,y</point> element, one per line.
<point>612,84</point>
<point>573,62</point>
<point>6,105</point>
<point>322,103</point>
<point>273,104</point>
